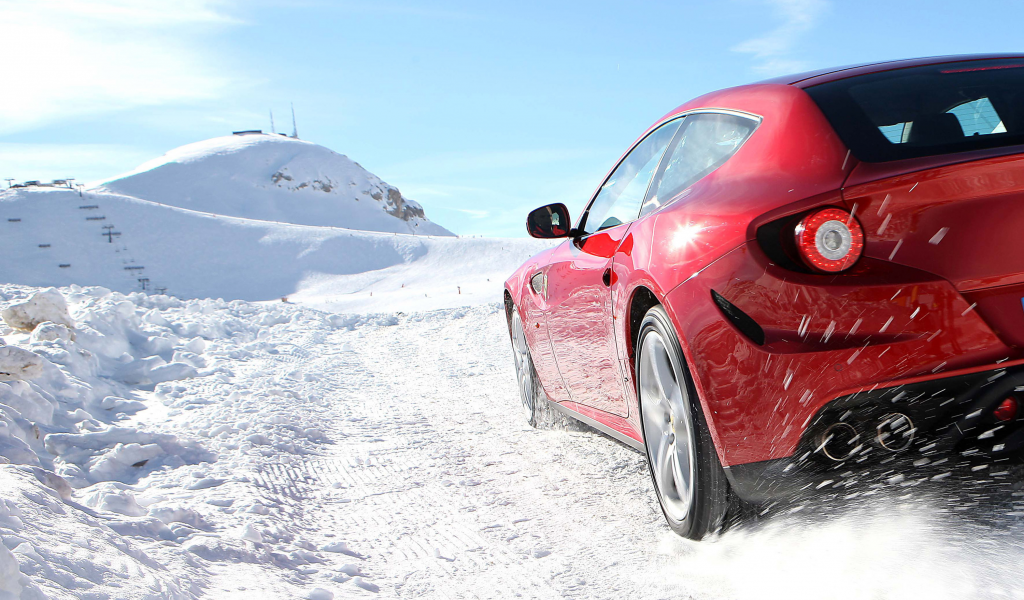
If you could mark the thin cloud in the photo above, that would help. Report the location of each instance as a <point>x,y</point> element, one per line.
<point>57,161</point>
<point>68,59</point>
<point>406,9</point>
<point>772,51</point>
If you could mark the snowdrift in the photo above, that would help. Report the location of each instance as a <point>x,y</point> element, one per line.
<point>274,178</point>
<point>98,502</point>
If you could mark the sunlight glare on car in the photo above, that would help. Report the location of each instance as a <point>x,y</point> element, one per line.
<point>685,236</point>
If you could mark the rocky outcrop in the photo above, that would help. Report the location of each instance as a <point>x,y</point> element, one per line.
<point>397,206</point>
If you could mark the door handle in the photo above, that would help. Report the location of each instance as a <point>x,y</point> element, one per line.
<point>606,277</point>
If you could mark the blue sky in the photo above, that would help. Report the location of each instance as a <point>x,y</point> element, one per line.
<point>479,111</point>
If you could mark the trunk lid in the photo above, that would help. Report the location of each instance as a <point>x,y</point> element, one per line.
<point>963,222</point>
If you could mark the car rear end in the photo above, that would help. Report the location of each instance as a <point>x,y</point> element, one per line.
<point>916,348</point>
<point>941,189</point>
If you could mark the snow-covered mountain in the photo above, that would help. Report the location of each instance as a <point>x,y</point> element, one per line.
<point>251,217</point>
<point>274,178</point>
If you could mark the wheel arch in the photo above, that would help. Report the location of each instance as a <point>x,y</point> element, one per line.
<point>641,301</point>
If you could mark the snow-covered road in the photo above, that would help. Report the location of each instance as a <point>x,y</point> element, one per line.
<point>385,456</point>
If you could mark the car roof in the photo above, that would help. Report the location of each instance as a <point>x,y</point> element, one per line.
<point>810,78</point>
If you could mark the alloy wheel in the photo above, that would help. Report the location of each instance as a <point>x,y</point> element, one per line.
<point>668,427</point>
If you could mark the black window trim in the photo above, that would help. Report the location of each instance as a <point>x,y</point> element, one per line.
<point>758,119</point>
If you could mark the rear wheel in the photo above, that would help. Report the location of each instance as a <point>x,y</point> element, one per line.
<point>684,466</point>
<point>530,393</point>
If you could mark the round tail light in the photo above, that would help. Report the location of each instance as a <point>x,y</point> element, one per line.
<point>829,240</point>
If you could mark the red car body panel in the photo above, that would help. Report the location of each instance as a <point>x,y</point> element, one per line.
<point>821,340</point>
<point>580,320</point>
<point>935,306</point>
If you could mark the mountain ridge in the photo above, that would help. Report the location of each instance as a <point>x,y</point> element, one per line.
<point>274,178</point>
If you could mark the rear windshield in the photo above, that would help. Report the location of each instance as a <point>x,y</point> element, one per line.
<point>924,111</point>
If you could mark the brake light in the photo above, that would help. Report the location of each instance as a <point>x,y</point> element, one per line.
<point>829,240</point>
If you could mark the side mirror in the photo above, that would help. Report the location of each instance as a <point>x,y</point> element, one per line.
<point>551,221</point>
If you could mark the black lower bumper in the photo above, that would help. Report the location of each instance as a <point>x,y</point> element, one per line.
<point>910,430</point>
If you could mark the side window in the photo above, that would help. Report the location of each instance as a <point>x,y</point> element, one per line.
<point>705,142</point>
<point>619,199</point>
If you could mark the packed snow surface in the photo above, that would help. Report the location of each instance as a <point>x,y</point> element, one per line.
<point>205,448</point>
<point>275,178</point>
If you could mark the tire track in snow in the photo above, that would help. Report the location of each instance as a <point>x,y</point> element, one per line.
<point>466,531</point>
<point>431,538</point>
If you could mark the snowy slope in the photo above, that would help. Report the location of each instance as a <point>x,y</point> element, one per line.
<point>195,254</point>
<point>274,178</point>
<point>448,274</point>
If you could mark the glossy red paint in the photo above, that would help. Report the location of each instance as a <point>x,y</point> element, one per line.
<point>824,336</point>
<point>937,292</point>
<point>579,318</point>
<point>959,221</point>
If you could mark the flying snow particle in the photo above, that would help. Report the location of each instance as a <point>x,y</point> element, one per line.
<point>938,236</point>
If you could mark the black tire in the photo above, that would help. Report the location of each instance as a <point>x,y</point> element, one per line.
<point>709,495</point>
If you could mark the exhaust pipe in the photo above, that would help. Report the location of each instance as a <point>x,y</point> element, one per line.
<point>839,441</point>
<point>895,432</point>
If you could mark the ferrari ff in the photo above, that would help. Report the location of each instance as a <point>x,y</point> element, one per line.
<point>793,278</point>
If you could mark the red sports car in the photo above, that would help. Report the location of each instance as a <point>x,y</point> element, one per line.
<point>791,279</point>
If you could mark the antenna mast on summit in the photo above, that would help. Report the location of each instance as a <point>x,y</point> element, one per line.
<point>295,129</point>
<point>272,130</point>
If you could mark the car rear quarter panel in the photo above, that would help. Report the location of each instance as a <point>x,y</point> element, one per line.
<point>793,160</point>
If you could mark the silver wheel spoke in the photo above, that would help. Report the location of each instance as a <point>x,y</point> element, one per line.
<point>666,379</point>
<point>680,479</point>
<point>663,462</point>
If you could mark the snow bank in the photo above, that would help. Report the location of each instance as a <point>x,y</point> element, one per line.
<point>16,364</point>
<point>43,306</point>
<point>12,582</point>
<point>62,393</point>
<point>130,452</point>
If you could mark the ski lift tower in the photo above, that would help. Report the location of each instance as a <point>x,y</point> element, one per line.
<point>9,180</point>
